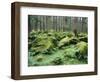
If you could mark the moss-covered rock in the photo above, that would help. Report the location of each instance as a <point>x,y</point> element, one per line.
<point>82,48</point>
<point>67,41</point>
<point>42,45</point>
<point>64,41</point>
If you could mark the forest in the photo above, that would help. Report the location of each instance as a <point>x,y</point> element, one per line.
<point>57,40</point>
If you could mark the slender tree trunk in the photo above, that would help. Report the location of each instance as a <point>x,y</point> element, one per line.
<point>75,25</point>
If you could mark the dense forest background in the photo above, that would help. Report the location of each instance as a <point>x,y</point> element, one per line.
<point>57,23</point>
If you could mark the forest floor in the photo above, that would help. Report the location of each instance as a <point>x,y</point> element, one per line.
<point>60,53</point>
<point>63,55</point>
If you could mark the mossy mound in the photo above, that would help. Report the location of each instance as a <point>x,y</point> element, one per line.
<point>67,41</point>
<point>82,48</point>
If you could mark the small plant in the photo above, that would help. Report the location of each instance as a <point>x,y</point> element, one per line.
<point>70,52</point>
<point>57,61</point>
<point>73,40</point>
<point>70,34</point>
<point>36,64</point>
<point>32,53</point>
<point>83,37</point>
<point>39,58</point>
<point>48,51</point>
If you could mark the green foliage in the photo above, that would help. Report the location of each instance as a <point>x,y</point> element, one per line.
<point>82,48</point>
<point>82,34</point>
<point>73,40</point>
<point>39,58</point>
<point>83,37</point>
<point>57,61</point>
<point>67,41</point>
<point>70,52</point>
<point>56,48</point>
<point>70,34</point>
<point>64,41</point>
<point>41,45</point>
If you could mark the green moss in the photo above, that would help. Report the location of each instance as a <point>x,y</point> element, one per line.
<point>57,61</point>
<point>73,40</point>
<point>56,48</point>
<point>67,41</point>
<point>83,37</point>
<point>41,45</point>
<point>70,52</point>
<point>82,48</point>
<point>82,34</point>
<point>64,41</point>
<point>39,58</point>
<point>70,34</point>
